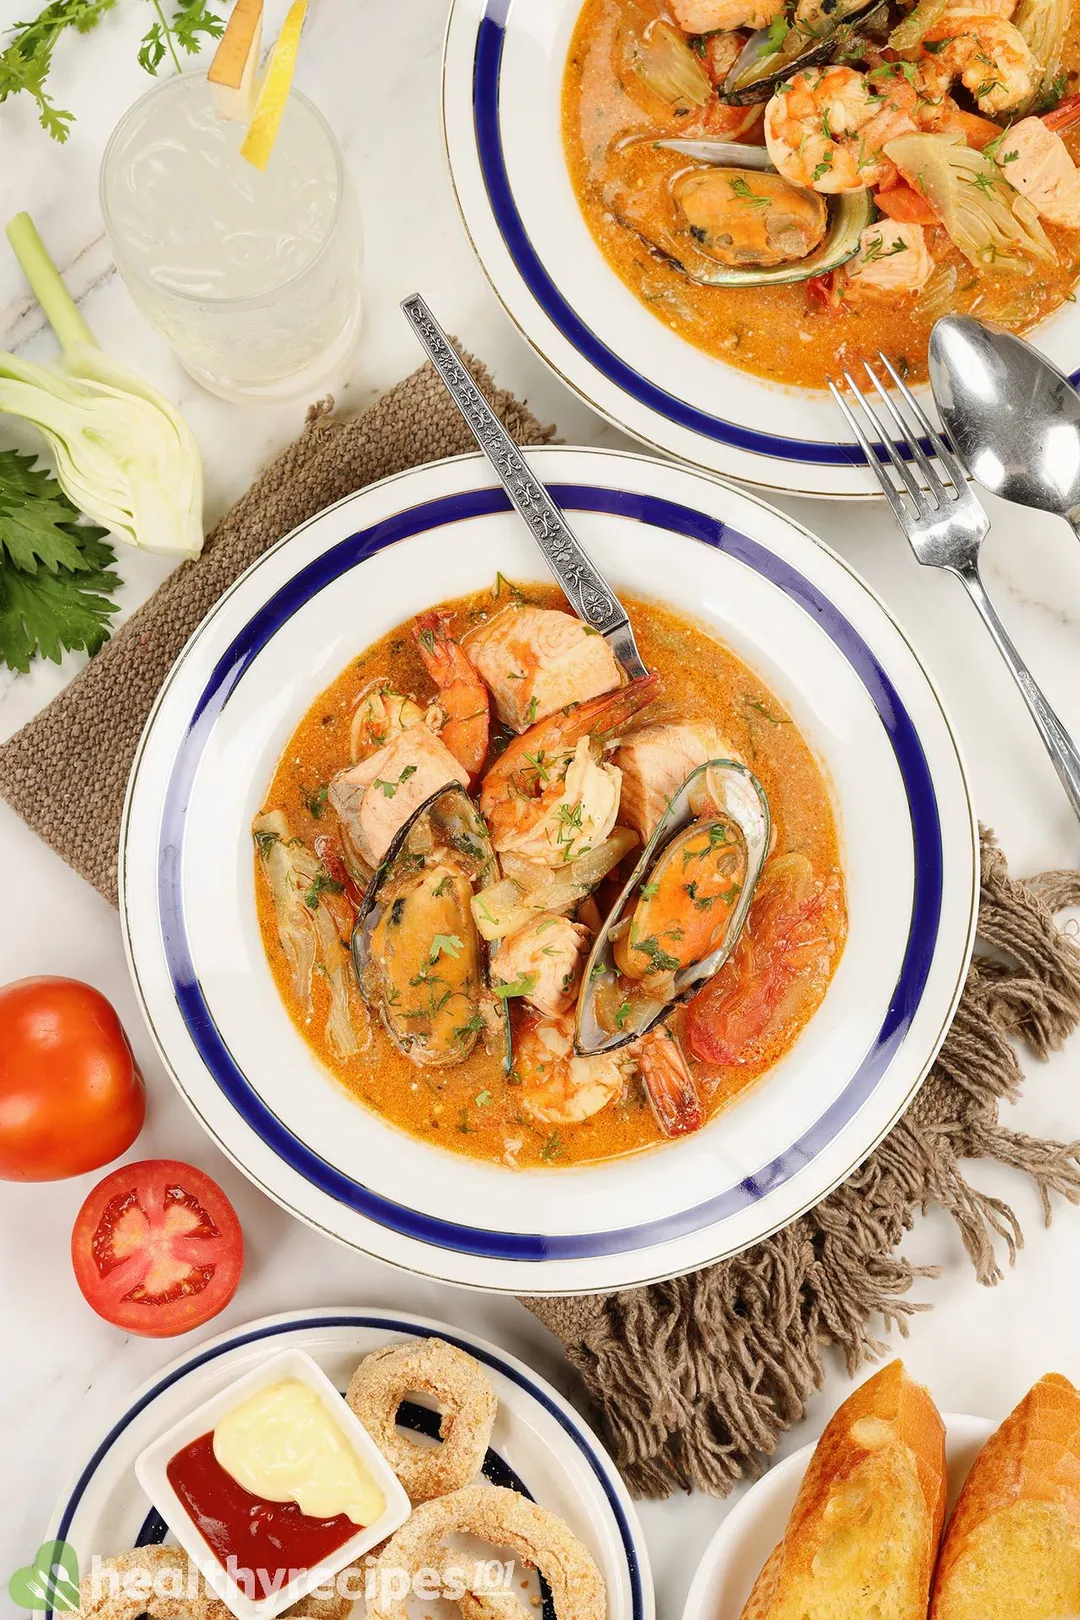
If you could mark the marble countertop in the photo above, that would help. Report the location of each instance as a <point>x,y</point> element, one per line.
<point>374,70</point>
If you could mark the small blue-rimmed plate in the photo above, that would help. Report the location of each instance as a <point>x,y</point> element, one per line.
<point>502,84</point>
<point>539,1446</point>
<point>821,641</point>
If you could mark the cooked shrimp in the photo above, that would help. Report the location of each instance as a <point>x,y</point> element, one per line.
<point>463,697</point>
<point>987,54</point>
<point>826,127</point>
<point>669,1085</point>
<point>548,796</point>
<point>557,1086</point>
<point>892,258</point>
<point>709,16</point>
<point>1036,161</point>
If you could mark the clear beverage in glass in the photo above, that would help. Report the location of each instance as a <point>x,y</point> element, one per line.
<point>252,277</point>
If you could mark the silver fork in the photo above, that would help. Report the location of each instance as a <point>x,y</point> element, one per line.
<point>946,524</point>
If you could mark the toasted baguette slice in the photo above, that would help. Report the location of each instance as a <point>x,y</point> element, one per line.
<point>1012,1549</point>
<point>863,1535</point>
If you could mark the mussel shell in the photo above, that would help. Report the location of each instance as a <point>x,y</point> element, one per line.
<point>749,220</point>
<point>458,825</point>
<point>849,213</point>
<point>746,804</point>
<point>757,71</point>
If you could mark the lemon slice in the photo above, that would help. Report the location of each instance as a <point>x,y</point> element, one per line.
<point>274,93</point>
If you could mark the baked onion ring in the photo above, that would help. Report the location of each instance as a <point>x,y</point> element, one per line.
<point>505,1519</point>
<point>186,1596</point>
<point>463,1391</point>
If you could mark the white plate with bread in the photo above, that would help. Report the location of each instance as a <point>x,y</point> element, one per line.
<point>899,1513</point>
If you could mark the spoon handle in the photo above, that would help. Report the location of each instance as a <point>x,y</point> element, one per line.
<point>1059,744</point>
<point>587,591</point>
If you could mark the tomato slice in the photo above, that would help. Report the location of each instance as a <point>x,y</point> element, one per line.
<point>778,972</point>
<point>157,1248</point>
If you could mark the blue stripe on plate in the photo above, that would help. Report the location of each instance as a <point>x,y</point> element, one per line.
<point>154,1528</point>
<point>490,40</point>
<point>526,1246</point>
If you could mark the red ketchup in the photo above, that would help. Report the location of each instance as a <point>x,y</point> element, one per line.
<point>263,1537</point>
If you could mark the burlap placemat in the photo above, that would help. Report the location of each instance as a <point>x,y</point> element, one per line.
<point>695,1380</point>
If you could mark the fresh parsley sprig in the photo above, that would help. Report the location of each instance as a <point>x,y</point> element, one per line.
<point>27,58</point>
<point>55,572</point>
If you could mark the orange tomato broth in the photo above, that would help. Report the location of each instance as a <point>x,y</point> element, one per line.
<point>473,1108</point>
<point>775,332</point>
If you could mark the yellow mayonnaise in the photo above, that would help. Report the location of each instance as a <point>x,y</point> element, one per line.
<point>283,1445</point>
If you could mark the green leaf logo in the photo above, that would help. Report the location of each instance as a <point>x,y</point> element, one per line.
<point>50,1582</point>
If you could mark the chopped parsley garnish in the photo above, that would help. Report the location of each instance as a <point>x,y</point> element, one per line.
<point>322,884</point>
<point>875,249</point>
<point>522,986</point>
<point>661,961</point>
<point>316,802</point>
<point>390,788</point>
<point>445,945</point>
<point>741,188</point>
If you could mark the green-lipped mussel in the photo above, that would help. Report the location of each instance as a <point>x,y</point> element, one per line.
<point>419,959</point>
<point>681,913</point>
<point>818,32</point>
<point>738,223</point>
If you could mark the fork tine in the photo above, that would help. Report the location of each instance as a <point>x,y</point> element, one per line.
<point>918,454</point>
<point>941,450</point>
<point>889,489</point>
<point>894,455</point>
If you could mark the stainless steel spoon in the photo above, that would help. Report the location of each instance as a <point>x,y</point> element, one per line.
<point>1013,418</point>
<point>586,589</point>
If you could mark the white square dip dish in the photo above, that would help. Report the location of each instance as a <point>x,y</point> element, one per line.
<point>152,1464</point>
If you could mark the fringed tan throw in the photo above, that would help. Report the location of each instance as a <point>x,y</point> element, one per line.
<point>696,1380</point>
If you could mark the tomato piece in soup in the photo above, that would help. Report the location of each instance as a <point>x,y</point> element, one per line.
<point>778,972</point>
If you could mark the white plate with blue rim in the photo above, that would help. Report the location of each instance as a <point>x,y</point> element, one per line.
<point>539,1446</point>
<point>502,85</point>
<point>820,640</point>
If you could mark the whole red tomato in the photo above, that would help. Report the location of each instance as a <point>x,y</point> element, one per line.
<point>71,1095</point>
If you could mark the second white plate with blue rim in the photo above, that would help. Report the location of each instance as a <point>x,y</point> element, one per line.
<point>502,117</point>
<point>786,605</point>
<point>539,1445</point>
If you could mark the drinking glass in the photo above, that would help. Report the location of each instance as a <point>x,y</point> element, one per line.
<point>252,277</point>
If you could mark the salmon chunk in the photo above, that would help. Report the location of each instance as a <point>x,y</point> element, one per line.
<point>544,961</point>
<point>1036,161</point>
<point>537,660</point>
<point>892,258</point>
<point>377,796</point>
<point>655,763</point>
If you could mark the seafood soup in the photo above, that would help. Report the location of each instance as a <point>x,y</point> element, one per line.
<point>888,163</point>
<point>534,913</point>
